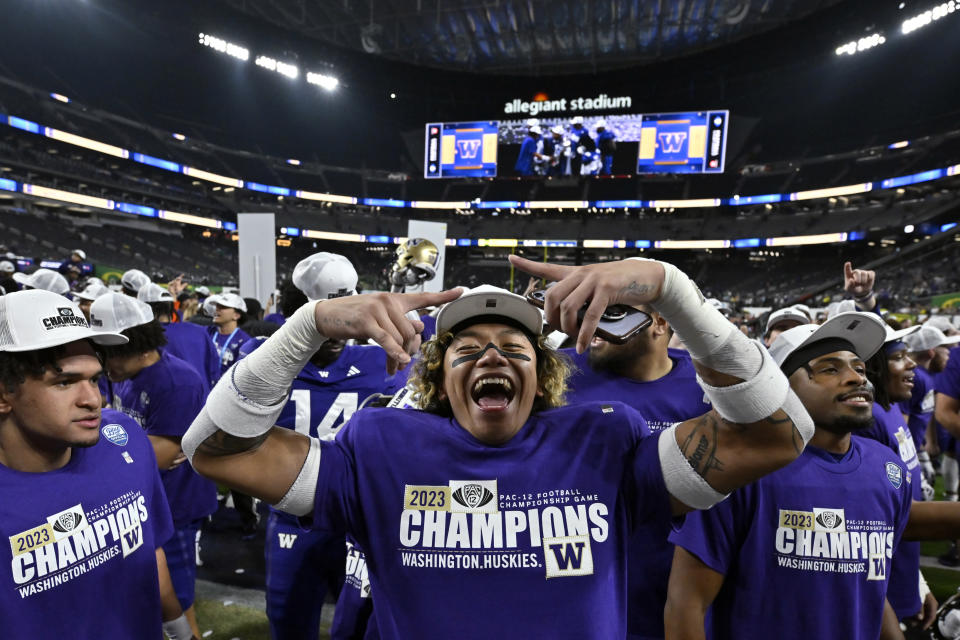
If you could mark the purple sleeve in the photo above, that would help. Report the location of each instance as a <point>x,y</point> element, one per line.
<point>172,412</point>
<point>334,501</point>
<point>647,493</point>
<point>712,535</point>
<point>948,381</point>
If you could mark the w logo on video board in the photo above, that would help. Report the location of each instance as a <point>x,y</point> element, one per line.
<point>467,149</point>
<point>672,141</point>
<point>462,149</point>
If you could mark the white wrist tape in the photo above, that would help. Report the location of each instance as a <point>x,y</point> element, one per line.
<point>753,399</point>
<point>298,501</point>
<point>924,588</point>
<point>682,481</point>
<point>178,629</point>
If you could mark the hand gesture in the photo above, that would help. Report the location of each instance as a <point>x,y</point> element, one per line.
<point>385,318</point>
<point>176,286</point>
<point>858,282</point>
<point>630,282</point>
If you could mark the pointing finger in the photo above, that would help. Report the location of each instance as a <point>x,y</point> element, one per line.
<point>541,269</point>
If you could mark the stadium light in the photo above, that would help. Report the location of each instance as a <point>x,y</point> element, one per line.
<point>283,68</point>
<point>322,80</point>
<point>60,97</point>
<point>293,161</point>
<point>221,45</point>
<point>930,15</point>
<point>864,43</point>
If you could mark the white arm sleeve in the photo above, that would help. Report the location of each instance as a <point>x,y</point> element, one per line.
<point>299,500</point>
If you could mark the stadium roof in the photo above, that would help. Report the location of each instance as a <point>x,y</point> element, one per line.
<point>530,37</point>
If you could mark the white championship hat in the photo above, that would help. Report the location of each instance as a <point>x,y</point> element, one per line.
<point>39,319</point>
<point>133,279</point>
<point>556,129</point>
<point>786,314</point>
<point>325,275</point>
<point>487,300</point>
<point>202,291</point>
<point>231,300</point>
<point>44,279</point>
<point>94,289</point>
<point>152,292</point>
<point>928,337</point>
<point>940,322</point>
<point>7,267</point>
<point>81,253</point>
<point>899,334</point>
<point>864,332</point>
<point>536,129</point>
<point>116,312</point>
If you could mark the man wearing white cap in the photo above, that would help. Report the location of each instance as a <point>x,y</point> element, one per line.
<point>94,289</point>
<point>607,146</point>
<point>43,279</point>
<point>808,548</point>
<point>495,494</point>
<point>132,280</point>
<point>163,394</point>
<point>225,332</point>
<point>304,566</point>
<point>529,155</point>
<point>944,324</point>
<point>930,349</point>
<point>83,505</point>
<point>782,320</point>
<point>6,269</point>
<point>185,340</point>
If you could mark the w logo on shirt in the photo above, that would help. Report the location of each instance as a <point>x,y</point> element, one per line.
<point>568,556</point>
<point>672,141</point>
<point>287,540</point>
<point>468,148</point>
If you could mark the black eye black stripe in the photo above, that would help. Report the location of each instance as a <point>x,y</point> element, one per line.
<point>479,354</point>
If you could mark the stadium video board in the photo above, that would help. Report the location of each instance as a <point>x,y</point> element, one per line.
<point>692,142</point>
<point>461,149</point>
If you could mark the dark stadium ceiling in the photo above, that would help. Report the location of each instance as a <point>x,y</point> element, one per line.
<point>526,37</point>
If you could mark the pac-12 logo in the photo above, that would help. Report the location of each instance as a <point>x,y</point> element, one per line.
<point>468,148</point>
<point>473,496</point>
<point>829,519</point>
<point>672,141</point>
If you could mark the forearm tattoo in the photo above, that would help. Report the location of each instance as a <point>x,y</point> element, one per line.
<point>222,443</point>
<point>795,436</point>
<point>700,447</point>
<point>632,290</point>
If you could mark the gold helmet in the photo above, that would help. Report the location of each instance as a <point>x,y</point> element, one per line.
<point>418,253</point>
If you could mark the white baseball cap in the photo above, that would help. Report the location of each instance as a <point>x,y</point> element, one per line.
<point>44,279</point>
<point>231,300</point>
<point>928,337</point>
<point>940,322</point>
<point>133,279</point>
<point>786,314</point>
<point>325,275</point>
<point>81,253</point>
<point>536,129</point>
<point>864,332</point>
<point>152,292</point>
<point>556,129</point>
<point>39,319</point>
<point>115,312</point>
<point>844,306</point>
<point>576,120</point>
<point>899,334</point>
<point>601,124</point>
<point>203,291</point>
<point>7,266</point>
<point>93,290</point>
<point>487,300</point>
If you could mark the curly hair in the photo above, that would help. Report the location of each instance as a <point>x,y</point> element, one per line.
<point>553,371</point>
<point>17,366</point>
<point>878,373</point>
<point>143,338</point>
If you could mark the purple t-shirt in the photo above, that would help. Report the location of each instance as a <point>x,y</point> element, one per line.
<point>919,408</point>
<point>82,554</point>
<point>466,540</point>
<point>673,398</point>
<point>227,345</point>
<point>805,550</point>
<point>164,399</point>
<point>276,318</point>
<point>890,430</point>
<point>948,380</point>
<point>191,343</point>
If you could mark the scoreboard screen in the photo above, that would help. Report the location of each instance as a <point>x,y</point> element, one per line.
<point>692,142</point>
<point>461,149</point>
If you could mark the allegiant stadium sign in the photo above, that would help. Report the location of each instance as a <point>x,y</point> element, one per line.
<point>603,101</point>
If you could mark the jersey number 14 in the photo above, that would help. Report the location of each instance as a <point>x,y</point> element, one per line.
<point>339,412</point>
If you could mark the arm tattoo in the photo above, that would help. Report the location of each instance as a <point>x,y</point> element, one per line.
<point>700,447</point>
<point>222,443</point>
<point>795,436</point>
<point>634,289</point>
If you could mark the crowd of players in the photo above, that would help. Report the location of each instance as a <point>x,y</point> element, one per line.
<point>689,483</point>
<point>566,152</point>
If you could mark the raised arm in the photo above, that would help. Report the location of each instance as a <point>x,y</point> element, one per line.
<point>233,440</point>
<point>757,424</point>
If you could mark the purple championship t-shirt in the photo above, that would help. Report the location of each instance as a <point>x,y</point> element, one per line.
<point>227,345</point>
<point>466,540</point>
<point>673,398</point>
<point>890,430</point>
<point>807,549</point>
<point>919,408</point>
<point>82,555</point>
<point>191,343</point>
<point>164,399</point>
